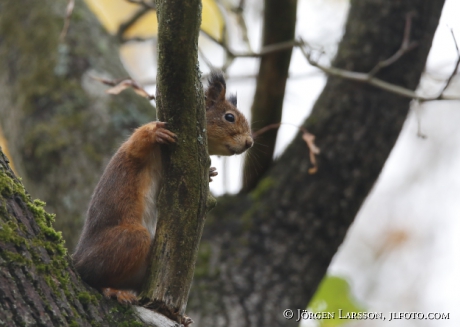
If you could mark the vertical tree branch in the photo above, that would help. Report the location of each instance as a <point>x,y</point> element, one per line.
<point>182,199</point>
<point>279,26</point>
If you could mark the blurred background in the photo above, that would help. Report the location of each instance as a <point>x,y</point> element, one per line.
<point>402,252</point>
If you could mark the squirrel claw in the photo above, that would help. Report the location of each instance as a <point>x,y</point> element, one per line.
<point>123,297</point>
<point>163,135</point>
<point>212,173</point>
<point>186,321</point>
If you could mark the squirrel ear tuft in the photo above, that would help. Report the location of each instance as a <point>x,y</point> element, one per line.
<point>216,89</point>
<point>232,99</point>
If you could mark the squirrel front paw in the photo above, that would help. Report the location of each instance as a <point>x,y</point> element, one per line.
<point>212,173</point>
<point>164,135</point>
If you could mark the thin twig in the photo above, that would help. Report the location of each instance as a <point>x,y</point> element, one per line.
<point>137,39</point>
<point>406,46</point>
<point>369,79</point>
<point>222,44</point>
<point>143,3</point>
<point>69,11</point>
<point>130,22</point>
<point>416,109</point>
<point>454,72</point>
<point>265,129</point>
<point>242,23</point>
<point>264,51</point>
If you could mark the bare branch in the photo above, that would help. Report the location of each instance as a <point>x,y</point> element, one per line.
<point>265,129</point>
<point>416,109</point>
<point>454,72</point>
<point>242,23</point>
<point>265,50</point>
<point>406,46</point>
<point>368,78</point>
<point>143,3</point>
<point>69,10</point>
<point>130,22</point>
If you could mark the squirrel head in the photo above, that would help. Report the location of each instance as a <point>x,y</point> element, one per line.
<point>228,130</point>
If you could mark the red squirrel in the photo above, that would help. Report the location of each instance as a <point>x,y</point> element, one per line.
<point>112,251</point>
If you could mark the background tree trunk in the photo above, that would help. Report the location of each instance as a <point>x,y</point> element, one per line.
<point>267,251</point>
<point>61,126</point>
<point>279,26</point>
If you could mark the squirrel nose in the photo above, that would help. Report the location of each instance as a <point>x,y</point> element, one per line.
<point>249,142</point>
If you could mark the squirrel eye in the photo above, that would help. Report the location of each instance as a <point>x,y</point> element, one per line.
<point>230,118</point>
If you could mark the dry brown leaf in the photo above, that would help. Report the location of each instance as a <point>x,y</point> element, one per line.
<point>313,170</point>
<point>121,85</point>
<point>306,136</point>
<point>314,150</point>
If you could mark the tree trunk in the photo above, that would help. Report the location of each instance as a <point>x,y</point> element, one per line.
<point>279,26</point>
<point>267,251</point>
<point>61,126</point>
<point>182,200</point>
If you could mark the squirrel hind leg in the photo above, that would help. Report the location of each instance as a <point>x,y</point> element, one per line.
<point>123,297</point>
<point>117,259</point>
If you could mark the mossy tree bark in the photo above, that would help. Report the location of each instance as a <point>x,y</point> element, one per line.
<point>279,26</point>
<point>182,200</point>
<point>39,286</point>
<point>61,126</point>
<point>267,251</point>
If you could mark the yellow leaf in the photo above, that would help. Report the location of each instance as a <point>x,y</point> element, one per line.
<point>213,21</point>
<point>113,13</point>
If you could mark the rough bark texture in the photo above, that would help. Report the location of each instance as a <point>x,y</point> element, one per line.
<point>61,126</point>
<point>279,26</point>
<point>268,251</point>
<point>39,286</point>
<point>182,200</point>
